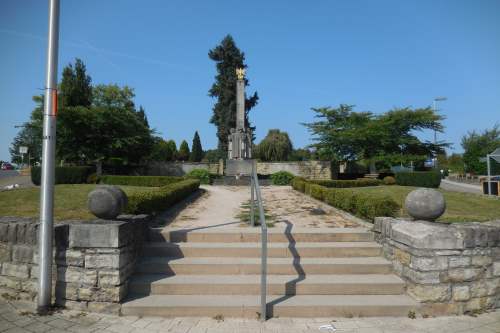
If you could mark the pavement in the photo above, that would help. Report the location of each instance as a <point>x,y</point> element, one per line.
<point>10,177</point>
<point>450,185</point>
<point>18,317</point>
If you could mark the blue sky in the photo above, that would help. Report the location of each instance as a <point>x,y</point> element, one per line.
<point>301,54</point>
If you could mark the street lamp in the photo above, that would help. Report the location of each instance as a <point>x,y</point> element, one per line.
<point>437,99</point>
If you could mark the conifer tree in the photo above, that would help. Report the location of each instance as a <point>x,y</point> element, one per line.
<point>228,58</point>
<point>196,149</point>
<point>183,154</point>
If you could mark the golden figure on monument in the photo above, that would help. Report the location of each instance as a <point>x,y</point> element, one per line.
<point>240,73</point>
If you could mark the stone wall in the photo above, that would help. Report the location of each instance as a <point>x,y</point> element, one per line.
<point>450,268</point>
<point>178,168</point>
<point>93,260</point>
<point>306,169</point>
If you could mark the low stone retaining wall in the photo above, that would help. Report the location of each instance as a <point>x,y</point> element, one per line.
<point>93,260</point>
<point>306,169</point>
<point>450,268</point>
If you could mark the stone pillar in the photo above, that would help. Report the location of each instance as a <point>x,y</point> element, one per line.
<point>240,105</point>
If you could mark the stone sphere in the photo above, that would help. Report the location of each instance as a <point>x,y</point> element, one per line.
<point>107,201</point>
<point>425,204</point>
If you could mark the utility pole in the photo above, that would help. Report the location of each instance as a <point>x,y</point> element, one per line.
<point>48,162</point>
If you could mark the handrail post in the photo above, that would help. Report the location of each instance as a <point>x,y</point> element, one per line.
<point>252,200</point>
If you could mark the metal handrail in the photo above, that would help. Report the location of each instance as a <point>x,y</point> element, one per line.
<point>255,193</point>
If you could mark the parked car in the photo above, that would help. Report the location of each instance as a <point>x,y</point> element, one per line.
<point>7,166</point>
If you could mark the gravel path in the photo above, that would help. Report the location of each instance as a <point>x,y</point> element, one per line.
<point>224,206</point>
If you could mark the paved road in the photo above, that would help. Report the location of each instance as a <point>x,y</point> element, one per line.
<point>16,317</point>
<point>9,177</point>
<point>8,174</point>
<point>460,187</point>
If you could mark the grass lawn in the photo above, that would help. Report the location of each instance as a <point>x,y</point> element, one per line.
<point>460,207</point>
<point>70,201</point>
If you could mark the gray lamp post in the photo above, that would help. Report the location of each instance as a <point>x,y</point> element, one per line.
<point>48,164</point>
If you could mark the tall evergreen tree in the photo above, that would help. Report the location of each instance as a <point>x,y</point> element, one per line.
<point>141,113</point>
<point>76,88</point>
<point>196,149</point>
<point>183,154</point>
<point>228,58</point>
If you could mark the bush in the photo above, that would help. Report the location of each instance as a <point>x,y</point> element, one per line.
<point>64,175</point>
<point>92,178</point>
<point>149,181</point>
<point>419,178</point>
<point>201,174</point>
<point>298,184</point>
<point>282,178</point>
<point>389,180</point>
<point>362,182</point>
<point>158,200</point>
<point>366,206</point>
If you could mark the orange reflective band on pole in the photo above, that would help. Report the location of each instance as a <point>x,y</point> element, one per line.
<point>54,102</point>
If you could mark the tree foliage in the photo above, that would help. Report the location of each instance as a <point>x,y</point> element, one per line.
<point>94,123</point>
<point>196,149</point>
<point>477,145</point>
<point>228,58</point>
<point>276,146</point>
<point>183,154</point>
<point>75,88</point>
<point>344,135</point>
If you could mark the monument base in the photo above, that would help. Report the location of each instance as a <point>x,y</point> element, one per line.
<point>239,167</point>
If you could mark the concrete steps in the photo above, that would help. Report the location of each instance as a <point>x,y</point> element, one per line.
<point>253,250</point>
<point>366,284</point>
<point>278,306</point>
<point>252,235</point>
<point>276,266</point>
<point>315,272</point>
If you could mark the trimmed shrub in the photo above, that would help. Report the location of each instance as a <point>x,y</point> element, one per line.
<point>367,206</point>
<point>298,184</point>
<point>64,175</point>
<point>362,182</point>
<point>389,180</point>
<point>419,179</point>
<point>158,200</point>
<point>282,178</point>
<point>148,181</point>
<point>92,178</point>
<point>201,174</point>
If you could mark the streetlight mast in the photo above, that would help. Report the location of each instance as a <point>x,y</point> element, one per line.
<point>437,99</point>
<point>48,164</point>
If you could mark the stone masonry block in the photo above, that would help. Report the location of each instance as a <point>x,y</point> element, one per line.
<point>100,233</point>
<point>427,235</point>
<point>22,254</point>
<point>421,277</point>
<point>461,293</point>
<point>459,261</point>
<point>496,268</point>
<point>429,263</point>
<point>15,270</point>
<point>462,274</point>
<point>430,293</point>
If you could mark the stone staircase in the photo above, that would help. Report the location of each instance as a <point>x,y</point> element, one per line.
<point>311,273</point>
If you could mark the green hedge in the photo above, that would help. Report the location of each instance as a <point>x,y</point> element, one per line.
<point>158,200</point>
<point>361,182</point>
<point>419,179</point>
<point>149,181</point>
<point>282,178</point>
<point>364,205</point>
<point>64,175</point>
<point>202,175</point>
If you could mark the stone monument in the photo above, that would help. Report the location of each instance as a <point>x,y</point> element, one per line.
<point>239,152</point>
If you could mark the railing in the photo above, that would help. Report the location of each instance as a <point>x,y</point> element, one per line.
<point>255,194</point>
